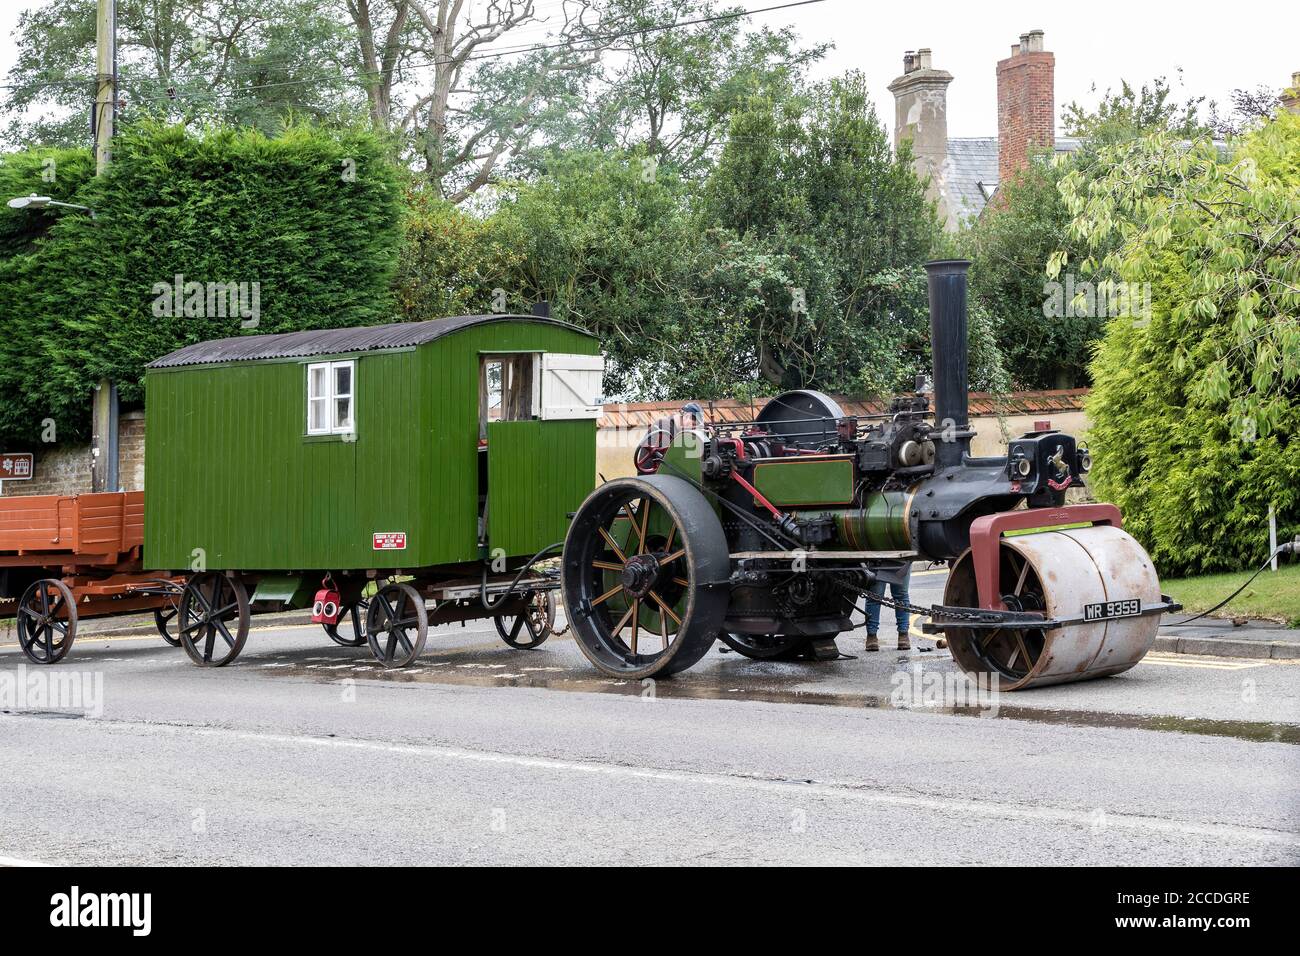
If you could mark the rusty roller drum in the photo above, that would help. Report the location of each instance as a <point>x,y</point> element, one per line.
<point>1058,573</point>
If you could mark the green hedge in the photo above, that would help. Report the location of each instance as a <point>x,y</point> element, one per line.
<point>311,217</point>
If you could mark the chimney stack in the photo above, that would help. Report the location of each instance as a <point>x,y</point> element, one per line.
<point>921,116</point>
<point>1026,103</point>
<point>1291,97</point>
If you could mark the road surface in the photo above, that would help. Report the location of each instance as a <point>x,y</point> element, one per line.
<point>304,752</point>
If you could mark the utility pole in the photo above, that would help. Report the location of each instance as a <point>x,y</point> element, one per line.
<point>103,464</point>
<point>105,81</point>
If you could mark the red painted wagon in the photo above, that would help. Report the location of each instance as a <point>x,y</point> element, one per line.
<point>63,558</point>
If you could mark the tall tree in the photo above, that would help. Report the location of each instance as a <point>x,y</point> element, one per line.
<point>1133,112</point>
<point>1048,343</point>
<point>243,62</point>
<point>466,87</point>
<point>812,183</point>
<point>678,70</point>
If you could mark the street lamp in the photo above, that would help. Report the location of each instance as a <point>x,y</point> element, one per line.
<point>40,202</point>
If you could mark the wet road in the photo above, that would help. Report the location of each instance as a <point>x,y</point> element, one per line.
<point>305,752</point>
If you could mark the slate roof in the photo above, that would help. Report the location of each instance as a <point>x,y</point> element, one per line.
<point>370,338</point>
<point>970,172</point>
<point>642,414</point>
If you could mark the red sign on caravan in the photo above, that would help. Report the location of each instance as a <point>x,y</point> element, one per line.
<point>390,540</point>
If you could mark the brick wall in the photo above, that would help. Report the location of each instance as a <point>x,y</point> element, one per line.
<point>130,451</point>
<point>1026,103</point>
<point>66,470</point>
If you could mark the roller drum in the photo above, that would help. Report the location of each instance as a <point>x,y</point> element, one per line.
<point>1062,571</point>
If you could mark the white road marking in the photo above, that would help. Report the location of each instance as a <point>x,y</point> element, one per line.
<point>15,861</point>
<point>951,807</point>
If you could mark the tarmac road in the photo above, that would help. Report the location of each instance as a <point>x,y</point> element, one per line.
<point>304,752</point>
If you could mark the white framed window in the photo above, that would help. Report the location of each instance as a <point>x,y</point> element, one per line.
<point>331,402</point>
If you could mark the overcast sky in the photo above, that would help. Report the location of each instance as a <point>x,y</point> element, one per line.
<point>1097,42</point>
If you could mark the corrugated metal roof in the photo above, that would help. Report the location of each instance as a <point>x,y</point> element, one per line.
<point>729,411</point>
<point>369,338</point>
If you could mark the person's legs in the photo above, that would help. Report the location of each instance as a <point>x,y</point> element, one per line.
<point>901,594</point>
<point>873,616</point>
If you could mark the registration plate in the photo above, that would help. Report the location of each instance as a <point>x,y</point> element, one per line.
<point>1129,607</point>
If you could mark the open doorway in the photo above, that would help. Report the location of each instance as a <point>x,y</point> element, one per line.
<point>507,392</point>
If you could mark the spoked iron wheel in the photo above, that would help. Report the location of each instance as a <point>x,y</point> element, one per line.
<point>164,619</point>
<point>530,629</point>
<point>47,621</point>
<point>765,647</point>
<point>646,571</point>
<point>1009,652</point>
<point>213,618</point>
<point>350,631</point>
<point>397,625</point>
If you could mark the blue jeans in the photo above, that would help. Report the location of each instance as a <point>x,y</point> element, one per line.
<point>899,592</point>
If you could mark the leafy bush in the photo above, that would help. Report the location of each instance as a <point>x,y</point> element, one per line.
<point>1195,414</point>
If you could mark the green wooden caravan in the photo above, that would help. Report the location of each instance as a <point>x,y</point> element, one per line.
<point>411,456</point>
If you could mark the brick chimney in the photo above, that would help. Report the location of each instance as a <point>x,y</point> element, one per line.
<point>921,115</point>
<point>1026,103</point>
<point>1291,96</point>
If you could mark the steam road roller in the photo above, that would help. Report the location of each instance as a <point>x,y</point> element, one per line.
<point>767,534</point>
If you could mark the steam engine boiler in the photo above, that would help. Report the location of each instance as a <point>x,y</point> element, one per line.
<point>767,534</point>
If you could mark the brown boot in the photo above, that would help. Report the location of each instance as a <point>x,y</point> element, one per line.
<point>904,641</point>
<point>873,642</point>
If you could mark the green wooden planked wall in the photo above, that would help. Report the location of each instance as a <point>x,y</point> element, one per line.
<point>230,471</point>
<point>538,472</point>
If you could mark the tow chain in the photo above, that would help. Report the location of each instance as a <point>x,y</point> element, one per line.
<point>947,615</point>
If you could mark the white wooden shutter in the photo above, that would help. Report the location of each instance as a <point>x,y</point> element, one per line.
<point>571,385</point>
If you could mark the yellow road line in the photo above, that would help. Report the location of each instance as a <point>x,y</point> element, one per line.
<point>1213,663</point>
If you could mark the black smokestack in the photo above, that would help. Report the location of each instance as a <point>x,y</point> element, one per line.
<point>948,347</point>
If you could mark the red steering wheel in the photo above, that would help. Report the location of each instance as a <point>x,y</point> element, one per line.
<point>649,453</point>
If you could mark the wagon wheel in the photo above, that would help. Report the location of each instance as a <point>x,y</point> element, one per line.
<point>210,602</point>
<point>765,647</point>
<point>397,625</point>
<point>164,619</point>
<point>534,626</point>
<point>1011,652</point>
<point>47,621</point>
<point>646,572</point>
<point>356,614</point>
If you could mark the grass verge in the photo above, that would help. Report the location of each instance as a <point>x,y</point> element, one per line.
<point>1274,596</point>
